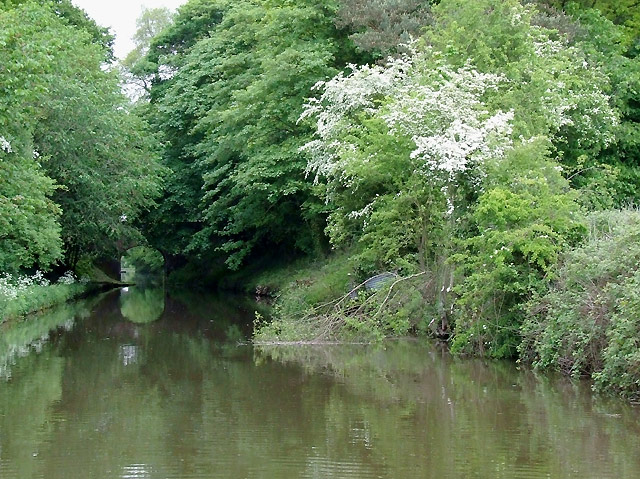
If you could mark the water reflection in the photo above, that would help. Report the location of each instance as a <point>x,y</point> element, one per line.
<point>470,418</point>
<point>20,339</point>
<point>142,304</point>
<point>129,354</point>
<point>136,471</point>
<point>177,398</point>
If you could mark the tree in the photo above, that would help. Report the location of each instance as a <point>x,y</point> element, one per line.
<point>621,12</point>
<point>612,176</point>
<point>77,18</point>
<point>254,172</point>
<point>229,113</point>
<point>470,131</point>
<point>29,231</point>
<point>65,117</point>
<point>29,228</point>
<point>138,68</point>
<point>177,217</point>
<point>382,26</point>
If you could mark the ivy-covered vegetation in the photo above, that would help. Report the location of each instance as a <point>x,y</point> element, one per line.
<point>482,153</point>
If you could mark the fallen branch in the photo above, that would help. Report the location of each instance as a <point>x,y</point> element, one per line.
<point>405,278</point>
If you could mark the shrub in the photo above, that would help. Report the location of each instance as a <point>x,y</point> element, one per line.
<point>621,357</point>
<point>589,322</point>
<point>523,221</point>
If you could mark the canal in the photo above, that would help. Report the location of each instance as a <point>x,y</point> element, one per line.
<point>144,384</point>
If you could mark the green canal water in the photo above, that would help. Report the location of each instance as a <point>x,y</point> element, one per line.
<point>139,384</point>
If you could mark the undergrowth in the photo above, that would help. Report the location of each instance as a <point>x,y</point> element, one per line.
<point>324,304</point>
<point>588,324</point>
<point>23,295</point>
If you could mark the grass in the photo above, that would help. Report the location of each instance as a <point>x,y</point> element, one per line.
<point>22,295</point>
<point>38,298</point>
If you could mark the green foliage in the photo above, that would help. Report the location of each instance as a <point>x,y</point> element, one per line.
<point>554,86</point>
<point>620,12</point>
<point>320,282</point>
<point>421,167</point>
<point>578,86</point>
<point>524,219</point>
<point>587,323</point>
<point>604,45</point>
<point>77,18</point>
<point>29,228</point>
<point>29,231</point>
<point>621,356</point>
<point>381,204</point>
<point>229,113</point>
<point>305,288</point>
<point>254,172</point>
<point>266,277</point>
<point>74,145</point>
<point>421,162</point>
<point>105,186</point>
<point>193,21</point>
<point>404,231</point>
<point>490,33</point>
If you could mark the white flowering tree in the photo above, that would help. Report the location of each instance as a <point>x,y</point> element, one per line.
<point>439,116</point>
<point>443,134</point>
<point>442,112</point>
<point>453,150</point>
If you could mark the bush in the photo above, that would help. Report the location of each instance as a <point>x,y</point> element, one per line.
<point>523,221</point>
<point>621,357</point>
<point>589,323</point>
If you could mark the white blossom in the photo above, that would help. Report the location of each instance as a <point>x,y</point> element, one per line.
<point>5,145</point>
<point>364,212</point>
<point>443,114</point>
<point>443,110</point>
<point>341,97</point>
<point>448,121</point>
<point>461,142</point>
<point>67,278</point>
